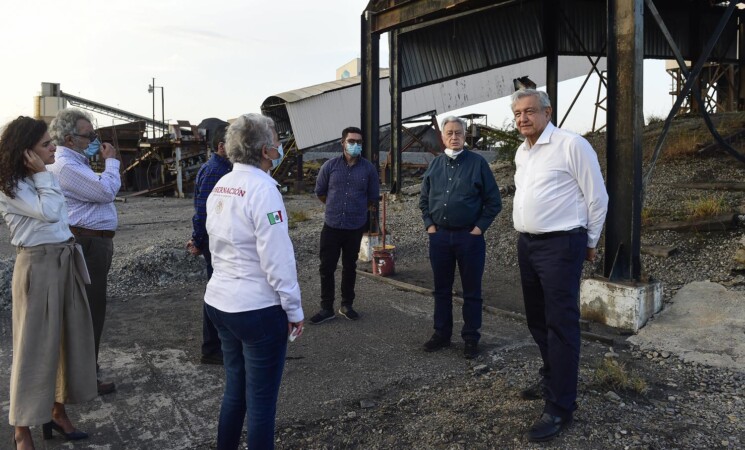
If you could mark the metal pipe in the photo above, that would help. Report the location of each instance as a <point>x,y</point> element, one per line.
<point>396,107</point>
<point>153,91</point>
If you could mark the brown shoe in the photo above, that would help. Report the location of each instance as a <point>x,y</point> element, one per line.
<point>106,387</point>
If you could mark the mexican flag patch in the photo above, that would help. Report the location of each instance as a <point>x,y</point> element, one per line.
<point>274,217</point>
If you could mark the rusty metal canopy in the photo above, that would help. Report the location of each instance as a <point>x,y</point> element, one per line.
<point>443,40</point>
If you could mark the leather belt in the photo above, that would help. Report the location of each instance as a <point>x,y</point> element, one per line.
<point>78,231</point>
<point>552,234</point>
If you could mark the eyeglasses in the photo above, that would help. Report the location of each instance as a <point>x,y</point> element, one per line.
<point>354,141</point>
<point>90,136</point>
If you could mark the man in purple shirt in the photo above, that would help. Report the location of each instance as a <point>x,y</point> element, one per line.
<point>90,205</point>
<point>349,185</point>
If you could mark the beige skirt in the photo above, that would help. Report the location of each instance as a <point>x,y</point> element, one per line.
<point>53,351</point>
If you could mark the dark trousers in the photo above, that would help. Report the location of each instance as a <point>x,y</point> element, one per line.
<point>550,271</point>
<point>335,242</point>
<point>98,253</point>
<point>446,248</point>
<point>254,345</point>
<point>210,337</point>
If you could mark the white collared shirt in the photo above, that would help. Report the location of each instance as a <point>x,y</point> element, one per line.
<point>252,255</point>
<point>559,186</point>
<point>37,215</point>
<point>90,197</point>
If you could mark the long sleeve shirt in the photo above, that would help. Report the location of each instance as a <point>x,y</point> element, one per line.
<point>251,250</point>
<point>37,215</point>
<point>348,190</point>
<point>90,197</point>
<point>459,193</point>
<point>559,186</point>
<point>209,174</point>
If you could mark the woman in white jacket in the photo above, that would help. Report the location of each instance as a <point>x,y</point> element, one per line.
<point>253,297</point>
<point>53,349</point>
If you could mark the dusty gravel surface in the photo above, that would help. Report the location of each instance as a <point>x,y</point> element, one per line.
<point>475,406</point>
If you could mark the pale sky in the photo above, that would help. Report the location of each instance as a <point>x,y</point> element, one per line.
<point>214,59</point>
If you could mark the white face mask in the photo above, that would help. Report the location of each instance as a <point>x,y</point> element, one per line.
<point>453,153</point>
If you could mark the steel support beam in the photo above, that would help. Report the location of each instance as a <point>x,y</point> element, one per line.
<point>405,13</point>
<point>691,77</point>
<point>551,48</point>
<point>396,107</point>
<point>624,147</point>
<point>370,91</point>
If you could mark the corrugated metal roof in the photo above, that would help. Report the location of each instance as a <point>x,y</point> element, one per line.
<point>311,91</point>
<point>510,33</point>
<point>319,119</point>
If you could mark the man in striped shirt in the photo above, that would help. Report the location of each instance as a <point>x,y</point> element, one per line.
<point>90,205</point>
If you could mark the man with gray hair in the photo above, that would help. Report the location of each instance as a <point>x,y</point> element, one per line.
<point>90,205</point>
<point>559,210</point>
<point>459,200</point>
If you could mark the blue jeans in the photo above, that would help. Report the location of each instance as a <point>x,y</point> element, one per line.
<point>446,248</point>
<point>550,271</point>
<point>254,344</point>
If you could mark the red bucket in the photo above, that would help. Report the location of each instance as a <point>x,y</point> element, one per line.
<point>382,260</point>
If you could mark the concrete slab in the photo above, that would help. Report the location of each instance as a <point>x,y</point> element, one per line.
<point>703,324</point>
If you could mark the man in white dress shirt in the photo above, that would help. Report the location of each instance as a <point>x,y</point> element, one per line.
<point>559,210</point>
<point>90,205</point>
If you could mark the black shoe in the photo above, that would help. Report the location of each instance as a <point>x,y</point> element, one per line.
<point>547,427</point>
<point>74,435</point>
<point>322,316</point>
<point>212,358</point>
<point>435,343</point>
<point>349,313</point>
<point>471,349</point>
<point>533,392</point>
<point>105,387</point>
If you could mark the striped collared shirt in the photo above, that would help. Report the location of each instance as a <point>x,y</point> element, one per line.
<point>90,197</point>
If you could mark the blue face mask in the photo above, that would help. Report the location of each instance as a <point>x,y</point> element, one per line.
<point>354,150</point>
<point>276,162</point>
<point>93,148</point>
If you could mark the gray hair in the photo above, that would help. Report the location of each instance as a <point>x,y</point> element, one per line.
<point>449,119</point>
<point>247,136</point>
<point>65,124</point>
<point>542,97</point>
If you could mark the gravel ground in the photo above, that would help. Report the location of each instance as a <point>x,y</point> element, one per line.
<point>685,405</point>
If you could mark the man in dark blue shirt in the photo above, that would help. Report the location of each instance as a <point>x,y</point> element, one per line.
<point>208,175</point>
<point>349,185</point>
<point>459,200</point>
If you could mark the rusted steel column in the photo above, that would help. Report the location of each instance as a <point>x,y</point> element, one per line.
<point>551,47</point>
<point>370,91</point>
<point>741,67</point>
<point>396,106</point>
<point>624,147</point>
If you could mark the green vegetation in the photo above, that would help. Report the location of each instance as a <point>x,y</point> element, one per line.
<point>613,374</point>
<point>706,206</point>
<point>508,139</point>
<point>296,217</point>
